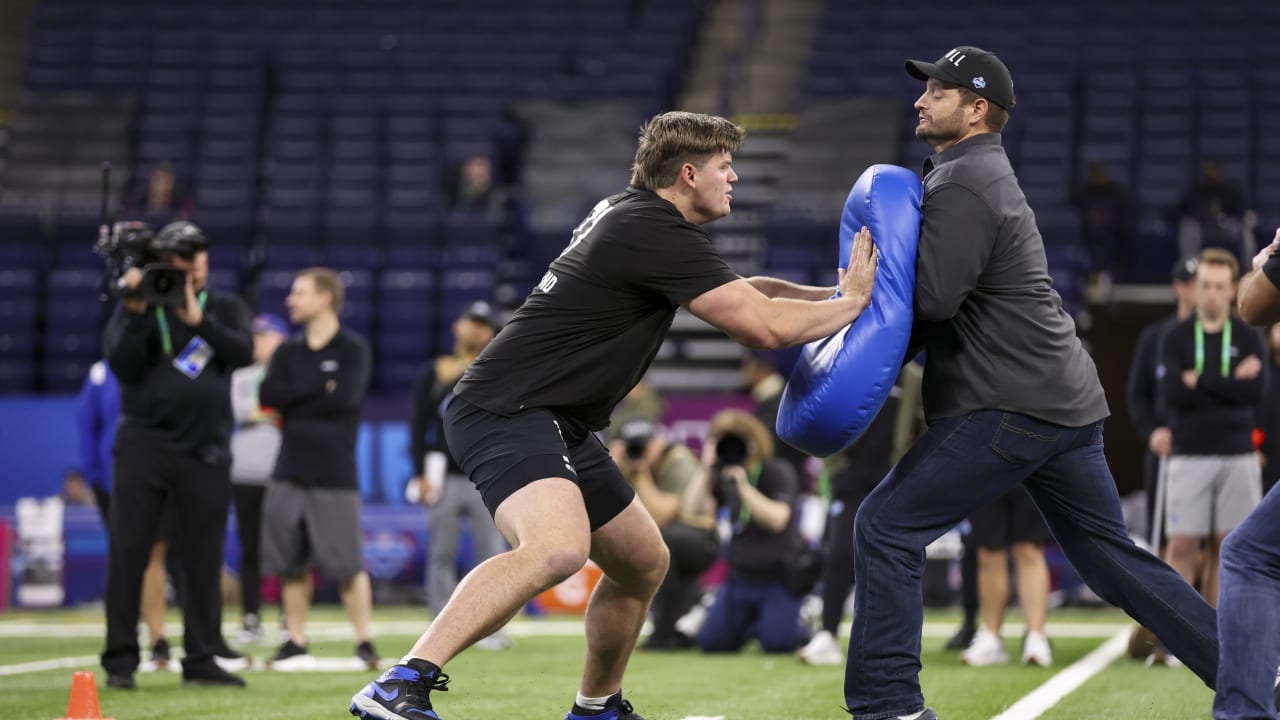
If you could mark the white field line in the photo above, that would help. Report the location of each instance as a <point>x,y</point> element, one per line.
<point>338,630</point>
<point>1038,701</point>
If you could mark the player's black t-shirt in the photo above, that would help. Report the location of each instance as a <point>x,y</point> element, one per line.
<point>587,333</point>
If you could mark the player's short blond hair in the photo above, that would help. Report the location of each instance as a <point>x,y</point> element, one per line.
<point>671,139</point>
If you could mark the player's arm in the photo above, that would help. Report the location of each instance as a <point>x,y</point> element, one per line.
<point>753,319</point>
<point>1259,299</point>
<point>1259,296</point>
<point>772,287</point>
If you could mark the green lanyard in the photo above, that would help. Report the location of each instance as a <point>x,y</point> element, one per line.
<point>1226,348</point>
<point>163,322</point>
<point>744,512</point>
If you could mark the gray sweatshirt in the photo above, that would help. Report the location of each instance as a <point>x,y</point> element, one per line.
<point>995,334</point>
<point>256,443</point>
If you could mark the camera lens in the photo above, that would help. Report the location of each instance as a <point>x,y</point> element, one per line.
<point>163,284</point>
<point>731,449</point>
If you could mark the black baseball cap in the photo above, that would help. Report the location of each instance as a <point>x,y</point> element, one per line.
<point>180,238</point>
<point>970,67</point>
<point>1185,269</point>
<point>481,312</point>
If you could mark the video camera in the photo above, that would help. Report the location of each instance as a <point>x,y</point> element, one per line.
<point>133,244</point>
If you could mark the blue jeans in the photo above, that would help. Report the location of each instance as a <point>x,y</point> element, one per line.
<point>959,465</point>
<point>1249,615</point>
<point>743,610</point>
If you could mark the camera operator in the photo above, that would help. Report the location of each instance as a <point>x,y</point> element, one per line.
<point>659,472</point>
<point>174,364</point>
<point>740,474</point>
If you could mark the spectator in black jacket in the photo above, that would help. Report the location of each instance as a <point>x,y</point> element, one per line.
<point>174,365</point>
<point>1150,418</point>
<point>1214,375</point>
<point>440,482</point>
<point>311,514</point>
<point>1147,409</point>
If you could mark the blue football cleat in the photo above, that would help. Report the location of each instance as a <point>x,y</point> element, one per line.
<point>615,708</point>
<point>401,693</point>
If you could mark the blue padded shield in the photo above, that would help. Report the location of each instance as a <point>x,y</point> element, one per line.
<point>840,382</point>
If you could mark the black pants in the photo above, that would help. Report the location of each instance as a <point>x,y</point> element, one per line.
<point>249,530</point>
<point>144,477</point>
<point>693,550</point>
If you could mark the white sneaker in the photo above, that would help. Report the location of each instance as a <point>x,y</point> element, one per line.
<point>691,622</point>
<point>986,649</point>
<point>1036,650</point>
<point>822,649</point>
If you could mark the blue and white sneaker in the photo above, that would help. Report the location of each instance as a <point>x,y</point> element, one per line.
<point>615,708</point>
<point>401,693</point>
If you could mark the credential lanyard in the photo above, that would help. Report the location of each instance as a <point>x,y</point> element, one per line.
<point>1226,348</point>
<point>163,321</point>
<point>744,512</point>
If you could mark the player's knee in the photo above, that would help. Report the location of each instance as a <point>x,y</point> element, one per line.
<point>654,570</point>
<point>561,563</point>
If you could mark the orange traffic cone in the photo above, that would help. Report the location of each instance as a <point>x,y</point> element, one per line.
<point>83,704</point>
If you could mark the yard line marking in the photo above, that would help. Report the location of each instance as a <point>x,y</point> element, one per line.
<point>54,664</point>
<point>1038,701</point>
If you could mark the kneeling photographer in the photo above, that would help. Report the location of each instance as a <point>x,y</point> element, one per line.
<point>173,344</point>
<point>660,471</point>
<point>760,599</point>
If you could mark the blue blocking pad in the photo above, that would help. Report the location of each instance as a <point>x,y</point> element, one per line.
<point>840,382</point>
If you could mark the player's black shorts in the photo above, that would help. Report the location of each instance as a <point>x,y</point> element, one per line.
<point>1011,518</point>
<point>503,454</point>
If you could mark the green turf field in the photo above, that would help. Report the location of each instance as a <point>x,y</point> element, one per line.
<point>538,678</point>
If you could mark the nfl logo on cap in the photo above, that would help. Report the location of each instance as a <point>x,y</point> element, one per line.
<point>979,82</point>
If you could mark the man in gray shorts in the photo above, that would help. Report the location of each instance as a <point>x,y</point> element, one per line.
<point>311,514</point>
<point>1213,378</point>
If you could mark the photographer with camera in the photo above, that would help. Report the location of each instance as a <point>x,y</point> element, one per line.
<point>659,472</point>
<point>172,345</point>
<point>762,595</point>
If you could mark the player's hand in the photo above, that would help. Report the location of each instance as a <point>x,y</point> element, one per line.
<point>190,314</point>
<point>330,385</point>
<point>1265,253</point>
<point>1190,379</point>
<point>1161,441</point>
<point>1249,368</point>
<point>859,278</point>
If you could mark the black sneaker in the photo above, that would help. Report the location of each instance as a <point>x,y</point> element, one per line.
<point>208,674</point>
<point>292,656</point>
<point>367,655</point>
<point>160,654</point>
<point>123,681</point>
<point>615,708</point>
<point>962,638</point>
<point>401,693</point>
